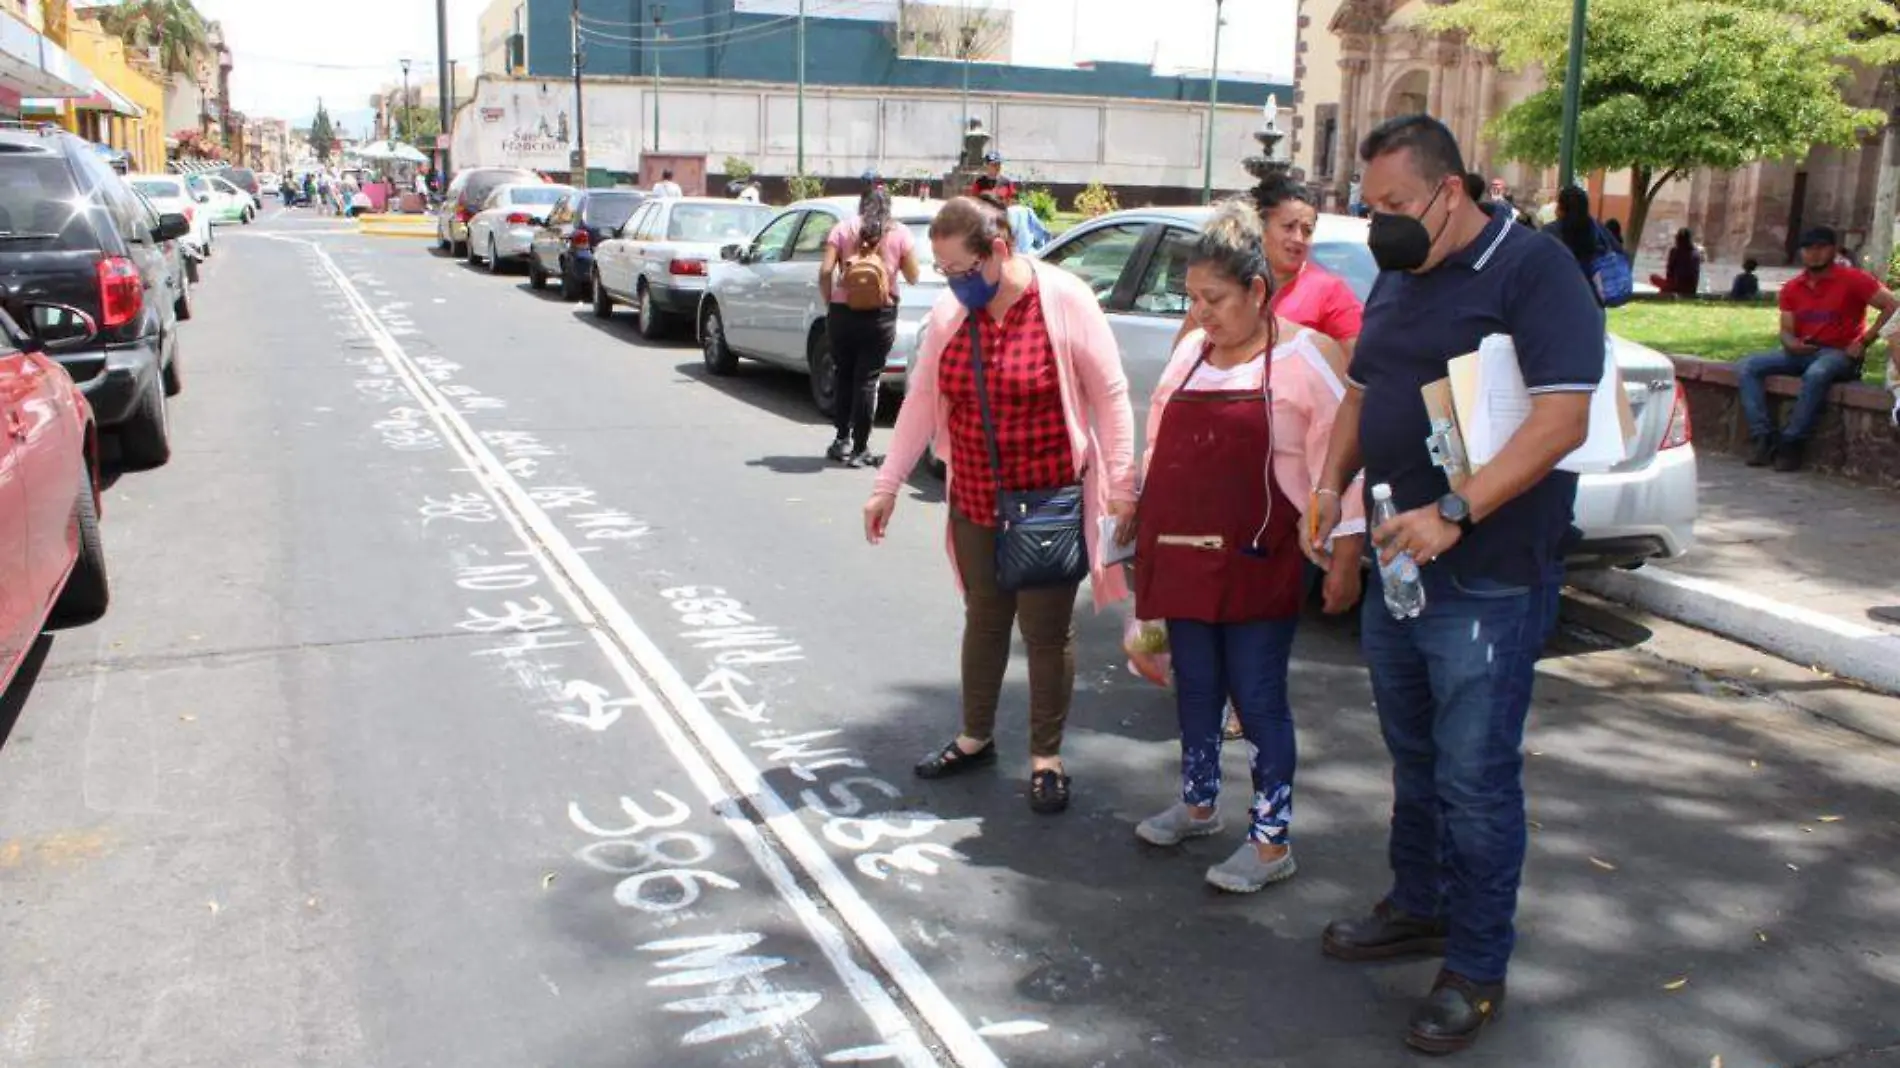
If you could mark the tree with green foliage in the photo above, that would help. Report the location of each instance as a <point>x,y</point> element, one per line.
<point>1673,86</point>
<point>174,27</point>
<point>420,126</point>
<point>322,134</point>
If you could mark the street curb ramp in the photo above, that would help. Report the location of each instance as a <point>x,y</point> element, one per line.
<point>1841,648</point>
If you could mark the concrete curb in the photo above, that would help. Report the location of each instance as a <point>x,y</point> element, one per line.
<point>397,225</point>
<point>1848,650</point>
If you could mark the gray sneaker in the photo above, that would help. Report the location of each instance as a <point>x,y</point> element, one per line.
<point>1175,825</point>
<point>1245,872</point>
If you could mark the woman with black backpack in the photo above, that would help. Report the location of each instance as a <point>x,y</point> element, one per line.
<point>1598,253</point>
<point>858,281</point>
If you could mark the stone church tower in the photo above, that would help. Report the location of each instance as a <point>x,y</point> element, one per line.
<point>1360,62</point>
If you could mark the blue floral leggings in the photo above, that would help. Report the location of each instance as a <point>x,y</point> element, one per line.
<point>1246,663</point>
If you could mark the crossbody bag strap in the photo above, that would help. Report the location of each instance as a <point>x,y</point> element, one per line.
<point>983,406</point>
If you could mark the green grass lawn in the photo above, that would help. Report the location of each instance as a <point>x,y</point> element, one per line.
<point>1713,330</point>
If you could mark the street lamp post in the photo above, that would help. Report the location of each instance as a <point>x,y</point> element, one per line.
<point>445,79</point>
<point>403,126</point>
<point>580,119</point>
<point>1573,100</point>
<point>659,13</point>
<point>801,87</point>
<point>1213,102</point>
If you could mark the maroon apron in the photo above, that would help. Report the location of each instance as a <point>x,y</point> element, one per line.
<point>1201,550</point>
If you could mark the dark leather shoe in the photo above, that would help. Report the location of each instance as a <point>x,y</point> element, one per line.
<point>1764,453</point>
<point>1790,456</point>
<point>1451,1017</point>
<point>1388,932</point>
<point>951,760</point>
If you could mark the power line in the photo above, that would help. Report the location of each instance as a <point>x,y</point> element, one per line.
<point>817,7</point>
<point>743,33</point>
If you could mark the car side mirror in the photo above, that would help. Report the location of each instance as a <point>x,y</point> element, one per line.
<point>171,226</point>
<point>204,198</point>
<point>732,253</point>
<point>53,327</point>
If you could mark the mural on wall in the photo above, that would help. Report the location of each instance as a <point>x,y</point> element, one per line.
<point>535,122</point>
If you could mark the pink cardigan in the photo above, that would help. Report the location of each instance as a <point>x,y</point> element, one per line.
<point>1094,402</point>
<point>1306,395</point>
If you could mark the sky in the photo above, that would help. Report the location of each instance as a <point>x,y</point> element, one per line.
<point>284,59</point>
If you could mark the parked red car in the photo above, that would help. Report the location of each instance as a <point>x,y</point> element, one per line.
<point>52,563</point>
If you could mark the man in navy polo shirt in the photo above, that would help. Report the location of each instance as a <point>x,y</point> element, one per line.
<point>1453,685</point>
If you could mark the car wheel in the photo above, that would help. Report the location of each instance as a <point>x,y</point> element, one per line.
<point>458,249</point>
<point>87,593</point>
<point>719,357</point>
<point>469,251</point>
<point>537,278</point>
<point>247,216</point>
<point>182,306</point>
<point>603,304</point>
<point>570,289</point>
<point>652,321</point>
<point>824,391</point>
<point>191,269</point>
<point>174,376</point>
<point>494,258</point>
<point>146,439</point>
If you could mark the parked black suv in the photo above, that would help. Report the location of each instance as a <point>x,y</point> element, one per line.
<point>73,234</point>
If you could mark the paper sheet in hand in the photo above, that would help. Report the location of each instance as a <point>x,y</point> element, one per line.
<point>1492,403</point>
<point>1113,552</point>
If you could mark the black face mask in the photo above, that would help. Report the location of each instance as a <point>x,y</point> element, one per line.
<point>1401,242</point>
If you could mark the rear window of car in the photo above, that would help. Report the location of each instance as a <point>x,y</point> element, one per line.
<point>41,207</point>
<point>482,183</point>
<point>716,223</point>
<point>1351,261</point>
<point>545,194</point>
<point>920,243</point>
<point>241,175</point>
<point>608,210</point>
<point>153,187</point>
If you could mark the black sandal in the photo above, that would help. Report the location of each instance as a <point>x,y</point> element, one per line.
<point>951,760</point>
<point>1048,791</point>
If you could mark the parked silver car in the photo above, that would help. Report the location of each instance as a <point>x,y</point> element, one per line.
<point>502,232</point>
<point>762,302</point>
<point>1136,262</point>
<point>658,261</point>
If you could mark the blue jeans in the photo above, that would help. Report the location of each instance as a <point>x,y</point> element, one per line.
<point>1247,663</point>
<point>1453,687</point>
<point>1818,374</point>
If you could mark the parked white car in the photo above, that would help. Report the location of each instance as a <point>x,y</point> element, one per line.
<point>761,300</point>
<point>226,202</point>
<point>502,232</point>
<point>1642,509</point>
<point>658,261</point>
<point>168,193</point>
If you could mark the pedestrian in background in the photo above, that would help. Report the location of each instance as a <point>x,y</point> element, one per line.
<point>1682,271</point>
<point>666,186</point>
<point>1237,434</point>
<point>1453,683</point>
<point>857,280</point>
<point>1051,414</point>
<point>1589,243</point>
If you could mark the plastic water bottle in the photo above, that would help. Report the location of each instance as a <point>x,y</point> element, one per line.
<point>1404,591</point>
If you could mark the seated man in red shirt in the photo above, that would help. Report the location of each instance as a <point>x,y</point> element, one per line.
<point>1824,338</point>
<point>991,181</point>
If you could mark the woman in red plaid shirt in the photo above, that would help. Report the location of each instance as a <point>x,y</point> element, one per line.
<point>1060,407</point>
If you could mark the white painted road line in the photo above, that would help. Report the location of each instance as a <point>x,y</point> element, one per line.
<point>682,713</point>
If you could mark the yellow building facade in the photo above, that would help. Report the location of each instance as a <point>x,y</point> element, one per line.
<point>127,108</point>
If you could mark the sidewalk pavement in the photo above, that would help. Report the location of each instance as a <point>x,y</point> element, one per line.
<point>1788,563</point>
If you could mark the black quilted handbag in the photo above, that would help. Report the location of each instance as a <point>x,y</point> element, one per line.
<point>1039,538</point>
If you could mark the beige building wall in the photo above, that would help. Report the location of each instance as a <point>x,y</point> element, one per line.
<point>496,22</point>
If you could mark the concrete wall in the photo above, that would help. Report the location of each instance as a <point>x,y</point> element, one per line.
<point>1058,140</point>
<point>1854,440</point>
<point>494,25</point>
<point>754,42</point>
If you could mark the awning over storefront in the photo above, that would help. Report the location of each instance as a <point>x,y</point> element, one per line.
<point>31,64</point>
<point>102,98</point>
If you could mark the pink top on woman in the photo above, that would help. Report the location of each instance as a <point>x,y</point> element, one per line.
<point>1322,300</point>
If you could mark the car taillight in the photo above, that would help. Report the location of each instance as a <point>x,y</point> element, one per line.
<point>189,213</point>
<point>519,218</point>
<point>1678,433</point>
<point>121,291</point>
<point>697,267</point>
<point>461,213</point>
<point>579,239</point>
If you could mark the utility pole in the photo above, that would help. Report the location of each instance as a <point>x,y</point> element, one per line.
<point>801,87</point>
<point>580,123</point>
<point>659,13</point>
<point>1573,100</point>
<point>445,79</point>
<point>1213,103</point>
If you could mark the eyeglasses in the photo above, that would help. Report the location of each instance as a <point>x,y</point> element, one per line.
<point>959,276</point>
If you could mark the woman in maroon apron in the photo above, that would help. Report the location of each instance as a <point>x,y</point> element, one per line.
<point>1236,436</point>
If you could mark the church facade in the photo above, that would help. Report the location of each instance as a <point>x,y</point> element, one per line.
<point>1360,62</point>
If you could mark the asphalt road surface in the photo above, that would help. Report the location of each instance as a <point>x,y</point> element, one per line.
<point>485,687</point>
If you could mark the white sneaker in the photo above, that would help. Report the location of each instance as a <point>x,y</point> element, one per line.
<point>1245,872</point>
<point>1175,825</point>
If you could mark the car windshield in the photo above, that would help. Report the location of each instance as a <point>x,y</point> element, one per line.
<point>716,223</point>
<point>608,211</point>
<point>484,183</point>
<point>40,204</point>
<point>538,194</point>
<point>158,187</point>
<point>1351,261</point>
